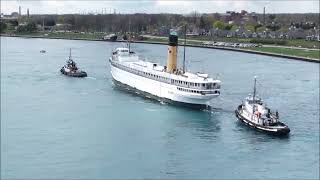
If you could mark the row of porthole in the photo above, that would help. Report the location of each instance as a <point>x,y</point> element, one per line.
<point>196,91</point>
<point>192,84</point>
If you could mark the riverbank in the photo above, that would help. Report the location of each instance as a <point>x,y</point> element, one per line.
<point>296,54</point>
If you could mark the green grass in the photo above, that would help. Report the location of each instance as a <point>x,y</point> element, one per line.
<point>70,35</point>
<point>66,35</point>
<point>287,51</point>
<point>287,42</point>
<point>303,43</point>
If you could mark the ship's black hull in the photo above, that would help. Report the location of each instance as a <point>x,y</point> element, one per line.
<point>74,74</point>
<point>265,129</point>
<point>151,96</point>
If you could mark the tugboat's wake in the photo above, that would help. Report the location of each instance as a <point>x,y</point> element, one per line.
<point>93,78</point>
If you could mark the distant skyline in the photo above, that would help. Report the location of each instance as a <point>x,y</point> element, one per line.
<point>158,6</point>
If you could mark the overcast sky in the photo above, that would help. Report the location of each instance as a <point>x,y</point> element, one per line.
<point>158,6</point>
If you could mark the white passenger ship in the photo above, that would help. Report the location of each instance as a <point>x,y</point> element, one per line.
<point>164,82</point>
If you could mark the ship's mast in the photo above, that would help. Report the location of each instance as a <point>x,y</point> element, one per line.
<point>129,38</point>
<point>184,48</point>
<point>254,96</point>
<point>254,87</point>
<point>70,54</point>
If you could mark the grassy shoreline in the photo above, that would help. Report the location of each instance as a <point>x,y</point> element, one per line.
<point>302,54</point>
<point>315,54</point>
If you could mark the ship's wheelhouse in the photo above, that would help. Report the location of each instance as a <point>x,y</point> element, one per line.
<point>255,100</point>
<point>121,52</point>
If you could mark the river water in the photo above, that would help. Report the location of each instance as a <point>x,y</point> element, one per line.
<point>57,127</point>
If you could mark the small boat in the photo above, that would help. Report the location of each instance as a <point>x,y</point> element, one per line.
<point>71,69</point>
<point>110,37</point>
<point>43,51</point>
<point>255,114</point>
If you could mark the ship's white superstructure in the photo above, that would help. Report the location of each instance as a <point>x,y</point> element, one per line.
<point>195,89</point>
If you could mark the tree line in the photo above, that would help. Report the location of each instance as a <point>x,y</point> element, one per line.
<point>150,22</point>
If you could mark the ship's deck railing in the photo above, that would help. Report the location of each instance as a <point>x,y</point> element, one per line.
<point>176,82</point>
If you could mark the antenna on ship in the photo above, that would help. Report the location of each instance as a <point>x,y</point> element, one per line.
<point>184,48</point>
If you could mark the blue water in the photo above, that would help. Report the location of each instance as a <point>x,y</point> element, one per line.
<point>57,127</point>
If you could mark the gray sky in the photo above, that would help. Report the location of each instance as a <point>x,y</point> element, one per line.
<point>159,6</point>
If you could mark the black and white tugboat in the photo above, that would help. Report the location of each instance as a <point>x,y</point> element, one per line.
<point>71,69</point>
<point>255,114</point>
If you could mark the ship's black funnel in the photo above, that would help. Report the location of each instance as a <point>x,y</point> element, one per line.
<point>173,39</point>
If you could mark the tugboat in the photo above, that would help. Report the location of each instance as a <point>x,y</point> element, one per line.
<point>257,115</point>
<point>71,69</point>
<point>43,51</point>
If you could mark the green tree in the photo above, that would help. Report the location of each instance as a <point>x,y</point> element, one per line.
<point>30,27</point>
<point>3,26</point>
<point>234,27</point>
<point>202,23</point>
<point>249,27</point>
<point>218,24</point>
<point>256,27</point>
<point>182,23</point>
<point>61,19</point>
<point>13,23</point>
<point>260,29</point>
<point>274,27</point>
<point>272,17</point>
<point>284,29</point>
<point>228,26</point>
